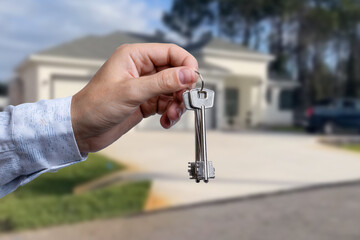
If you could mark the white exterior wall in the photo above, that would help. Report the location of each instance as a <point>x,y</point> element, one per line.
<point>46,73</point>
<point>252,97</point>
<point>273,114</point>
<point>240,66</point>
<point>36,78</point>
<point>3,102</point>
<point>217,80</point>
<point>28,76</point>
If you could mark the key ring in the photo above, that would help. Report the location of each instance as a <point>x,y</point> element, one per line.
<point>202,80</point>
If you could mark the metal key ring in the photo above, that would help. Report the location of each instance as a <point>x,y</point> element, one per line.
<point>202,80</point>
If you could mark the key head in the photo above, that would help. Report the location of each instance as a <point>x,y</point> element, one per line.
<point>202,98</point>
<point>186,100</point>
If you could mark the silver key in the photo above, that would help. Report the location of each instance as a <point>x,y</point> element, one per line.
<point>207,102</point>
<point>202,99</point>
<point>186,100</point>
<point>199,100</point>
<point>192,165</point>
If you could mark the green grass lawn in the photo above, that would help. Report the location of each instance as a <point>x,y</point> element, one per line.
<point>352,147</point>
<point>48,200</point>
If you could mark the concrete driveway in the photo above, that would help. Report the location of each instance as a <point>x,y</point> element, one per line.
<point>246,163</point>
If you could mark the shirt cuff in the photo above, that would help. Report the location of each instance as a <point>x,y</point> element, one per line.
<point>6,141</point>
<point>44,139</point>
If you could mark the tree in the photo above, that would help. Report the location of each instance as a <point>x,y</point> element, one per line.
<point>186,17</point>
<point>240,20</point>
<point>318,41</point>
<point>319,23</point>
<point>349,18</point>
<point>280,15</point>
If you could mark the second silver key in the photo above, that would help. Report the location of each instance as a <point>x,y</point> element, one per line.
<point>202,99</point>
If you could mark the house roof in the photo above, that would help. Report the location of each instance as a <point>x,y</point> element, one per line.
<point>206,65</point>
<point>93,47</point>
<point>101,47</point>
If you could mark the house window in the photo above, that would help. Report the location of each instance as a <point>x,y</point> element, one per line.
<point>286,101</point>
<point>231,102</point>
<point>269,95</point>
<point>3,89</point>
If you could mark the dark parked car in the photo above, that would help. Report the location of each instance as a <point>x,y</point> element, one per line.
<point>329,115</point>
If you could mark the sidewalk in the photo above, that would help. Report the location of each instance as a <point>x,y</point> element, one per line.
<point>245,163</point>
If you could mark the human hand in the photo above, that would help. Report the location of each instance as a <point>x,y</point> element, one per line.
<point>137,81</point>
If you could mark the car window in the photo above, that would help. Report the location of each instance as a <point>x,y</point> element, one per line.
<point>349,104</point>
<point>325,103</point>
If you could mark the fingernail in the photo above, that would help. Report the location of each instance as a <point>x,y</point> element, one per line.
<point>167,122</point>
<point>185,76</point>
<point>172,122</point>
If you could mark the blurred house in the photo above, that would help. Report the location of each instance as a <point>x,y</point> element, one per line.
<point>245,95</point>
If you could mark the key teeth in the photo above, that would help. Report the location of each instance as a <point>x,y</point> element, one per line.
<point>211,170</point>
<point>191,170</point>
<point>196,171</point>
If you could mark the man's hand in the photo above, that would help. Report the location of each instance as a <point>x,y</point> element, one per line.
<point>137,81</point>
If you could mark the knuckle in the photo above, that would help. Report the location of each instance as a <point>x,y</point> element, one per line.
<point>130,92</point>
<point>123,47</point>
<point>173,45</point>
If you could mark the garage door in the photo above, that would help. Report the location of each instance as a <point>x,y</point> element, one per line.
<point>64,87</point>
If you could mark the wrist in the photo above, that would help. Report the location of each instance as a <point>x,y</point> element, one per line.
<point>78,131</point>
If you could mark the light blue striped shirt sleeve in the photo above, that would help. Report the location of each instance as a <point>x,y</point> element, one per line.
<point>35,138</point>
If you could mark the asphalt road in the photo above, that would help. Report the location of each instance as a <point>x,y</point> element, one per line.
<point>330,213</point>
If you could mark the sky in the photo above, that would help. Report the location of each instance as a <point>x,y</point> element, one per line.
<point>27,26</point>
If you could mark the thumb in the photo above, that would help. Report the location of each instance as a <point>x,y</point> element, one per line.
<point>166,81</point>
